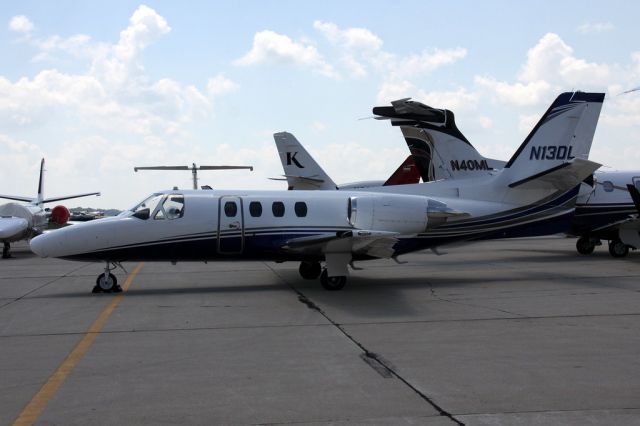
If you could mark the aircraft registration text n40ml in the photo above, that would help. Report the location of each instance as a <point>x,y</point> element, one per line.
<point>551,152</point>
<point>469,165</point>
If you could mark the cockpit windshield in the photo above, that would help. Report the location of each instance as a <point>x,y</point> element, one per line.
<point>160,207</point>
<point>148,203</point>
<point>171,208</point>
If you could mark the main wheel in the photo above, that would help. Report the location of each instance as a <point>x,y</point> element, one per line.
<point>585,246</point>
<point>332,283</point>
<point>618,249</point>
<point>106,286</point>
<point>310,270</point>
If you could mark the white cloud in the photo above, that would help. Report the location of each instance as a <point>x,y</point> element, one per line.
<point>551,67</point>
<point>428,60</point>
<point>517,93</point>
<point>527,122</point>
<point>552,60</point>
<point>392,90</point>
<point>485,122</point>
<point>20,24</point>
<point>595,27</point>
<point>100,122</point>
<point>456,100</point>
<point>356,69</point>
<point>220,85</point>
<point>351,38</point>
<point>269,46</point>
<point>318,126</point>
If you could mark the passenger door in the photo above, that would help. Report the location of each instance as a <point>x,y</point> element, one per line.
<point>230,225</point>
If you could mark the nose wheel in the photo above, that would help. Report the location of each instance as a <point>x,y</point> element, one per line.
<point>6,251</point>
<point>107,282</point>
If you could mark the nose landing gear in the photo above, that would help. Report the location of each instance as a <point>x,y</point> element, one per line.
<point>107,282</point>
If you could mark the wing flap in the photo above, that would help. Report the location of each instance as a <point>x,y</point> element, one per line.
<point>373,243</point>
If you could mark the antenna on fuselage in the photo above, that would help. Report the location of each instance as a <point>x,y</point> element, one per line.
<point>194,169</point>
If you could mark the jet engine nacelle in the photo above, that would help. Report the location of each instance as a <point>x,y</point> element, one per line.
<point>60,215</point>
<point>405,214</point>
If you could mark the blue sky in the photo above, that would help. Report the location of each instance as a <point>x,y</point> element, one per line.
<point>98,88</point>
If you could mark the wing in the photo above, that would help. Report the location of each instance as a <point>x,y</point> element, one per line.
<point>12,227</point>
<point>339,249</point>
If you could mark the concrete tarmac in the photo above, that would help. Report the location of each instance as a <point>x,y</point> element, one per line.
<point>511,332</point>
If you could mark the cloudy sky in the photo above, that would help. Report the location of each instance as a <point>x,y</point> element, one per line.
<point>98,88</point>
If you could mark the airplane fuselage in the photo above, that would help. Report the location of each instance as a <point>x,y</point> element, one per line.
<point>258,224</point>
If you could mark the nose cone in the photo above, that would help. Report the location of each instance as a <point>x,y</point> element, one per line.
<point>41,245</point>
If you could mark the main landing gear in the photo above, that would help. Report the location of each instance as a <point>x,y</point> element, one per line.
<point>6,251</point>
<point>313,270</point>
<point>586,245</point>
<point>617,248</point>
<point>107,282</point>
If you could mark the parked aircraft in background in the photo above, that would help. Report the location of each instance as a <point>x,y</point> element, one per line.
<point>604,207</point>
<point>530,196</point>
<point>21,222</point>
<point>301,171</point>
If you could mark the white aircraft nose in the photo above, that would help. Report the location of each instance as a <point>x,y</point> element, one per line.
<point>41,245</point>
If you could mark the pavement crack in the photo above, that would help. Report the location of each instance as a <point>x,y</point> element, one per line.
<point>471,305</point>
<point>17,299</point>
<point>378,363</point>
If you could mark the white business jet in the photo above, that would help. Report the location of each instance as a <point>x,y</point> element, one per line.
<point>533,196</point>
<point>24,221</point>
<point>604,209</point>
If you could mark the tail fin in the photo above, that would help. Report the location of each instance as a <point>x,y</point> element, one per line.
<point>40,197</point>
<point>407,173</point>
<point>300,169</point>
<point>563,133</point>
<point>439,149</point>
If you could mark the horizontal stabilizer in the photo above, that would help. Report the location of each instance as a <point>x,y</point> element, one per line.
<point>68,197</point>
<point>301,178</point>
<point>562,177</point>
<point>17,198</point>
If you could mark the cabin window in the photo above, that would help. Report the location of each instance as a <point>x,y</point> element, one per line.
<point>607,185</point>
<point>300,209</point>
<point>277,208</point>
<point>255,209</point>
<point>230,209</point>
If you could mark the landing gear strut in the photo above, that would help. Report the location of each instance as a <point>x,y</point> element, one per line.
<point>6,251</point>
<point>107,282</point>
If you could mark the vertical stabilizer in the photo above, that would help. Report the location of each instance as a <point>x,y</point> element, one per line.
<point>300,169</point>
<point>565,132</point>
<point>438,147</point>
<point>40,198</point>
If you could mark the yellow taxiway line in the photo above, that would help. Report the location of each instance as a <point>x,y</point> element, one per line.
<point>34,408</point>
